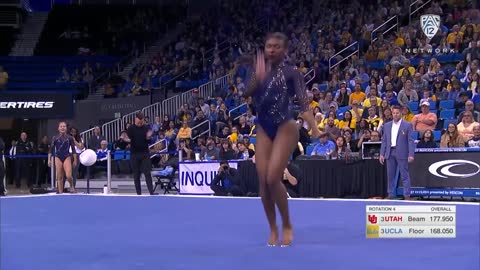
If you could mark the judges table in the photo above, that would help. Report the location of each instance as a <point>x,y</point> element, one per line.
<point>320,178</point>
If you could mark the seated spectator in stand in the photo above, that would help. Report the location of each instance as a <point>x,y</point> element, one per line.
<point>407,94</point>
<point>341,148</point>
<point>452,138</point>
<point>324,147</point>
<point>185,132</point>
<point>243,151</point>
<point>121,144</point>
<point>227,181</point>
<point>210,151</point>
<point>373,120</point>
<point>465,128</point>
<point>427,141</point>
<point>475,140</point>
<point>183,146</point>
<point>469,107</point>
<point>226,150</point>
<point>291,178</point>
<point>3,78</point>
<point>425,119</point>
<point>243,127</point>
<point>102,153</point>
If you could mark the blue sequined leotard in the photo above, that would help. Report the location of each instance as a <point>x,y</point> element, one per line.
<point>272,98</point>
<point>61,145</point>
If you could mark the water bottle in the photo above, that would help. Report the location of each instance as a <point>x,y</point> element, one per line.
<point>105,189</point>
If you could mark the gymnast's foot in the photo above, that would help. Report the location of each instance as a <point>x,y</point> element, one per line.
<point>287,237</point>
<point>273,240</point>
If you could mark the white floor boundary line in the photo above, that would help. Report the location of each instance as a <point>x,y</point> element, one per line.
<point>237,198</point>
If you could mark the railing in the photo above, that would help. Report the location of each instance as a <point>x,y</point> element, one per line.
<point>310,77</point>
<point>355,45</point>
<point>86,135</point>
<point>111,130</point>
<point>392,19</point>
<point>171,105</point>
<point>153,110</point>
<point>129,118</point>
<point>411,11</point>
<point>156,143</point>
<point>236,109</point>
<point>204,132</point>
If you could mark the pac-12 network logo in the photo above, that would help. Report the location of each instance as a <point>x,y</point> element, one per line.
<point>430,24</point>
<point>442,168</point>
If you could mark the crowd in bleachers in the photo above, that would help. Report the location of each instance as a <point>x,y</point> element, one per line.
<point>351,102</point>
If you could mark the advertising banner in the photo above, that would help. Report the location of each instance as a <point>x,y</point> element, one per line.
<point>48,105</point>
<point>446,168</point>
<point>196,177</point>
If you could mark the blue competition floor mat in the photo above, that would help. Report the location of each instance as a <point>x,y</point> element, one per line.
<point>89,232</point>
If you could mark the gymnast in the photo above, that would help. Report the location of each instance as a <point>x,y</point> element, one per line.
<point>273,84</point>
<point>60,148</point>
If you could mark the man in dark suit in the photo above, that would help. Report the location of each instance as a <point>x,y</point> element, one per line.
<point>397,150</point>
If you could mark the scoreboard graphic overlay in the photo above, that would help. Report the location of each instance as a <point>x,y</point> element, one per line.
<point>411,221</point>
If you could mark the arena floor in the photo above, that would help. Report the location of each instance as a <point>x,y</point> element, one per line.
<point>45,232</point>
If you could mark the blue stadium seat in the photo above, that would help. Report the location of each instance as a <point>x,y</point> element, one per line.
<point>447,114</point>
<point>415,134</point>
<point>119,155</point>
<point>446,122</point>
<point>437,134</point>
<point>253,140</point>
<point>127,155</point>
<point>447,104</point>
<point>433,105</point>
<point>309,150</point>
<point>413,105</point>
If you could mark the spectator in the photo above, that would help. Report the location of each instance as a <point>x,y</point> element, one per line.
<point>210,151</point>
<point>427,140</point>
<point>452,138</point>
<point>243,151</point>
<point>475,140</point>
<point>407,94</point>
<point>424,120</point>
<point>465,128</point>
<point>469,107</point>
<point>341,148</point>
<point>226,150</point>
<point>324,147</point>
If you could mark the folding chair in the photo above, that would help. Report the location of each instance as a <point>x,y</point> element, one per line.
<point>167,182</point>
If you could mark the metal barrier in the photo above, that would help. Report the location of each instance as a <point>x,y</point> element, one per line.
<point>153,110</point>
<point>355,45</point>
<point>130,117</point>
<point>307,76</point>
<point>392,19</point>
<point>86,135</point>
<point>410,12</point>
<point>236,109</point>
<point>171,105</point>
<point>111,130</point>
<point>205,132</point>
<point>161,151</point>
